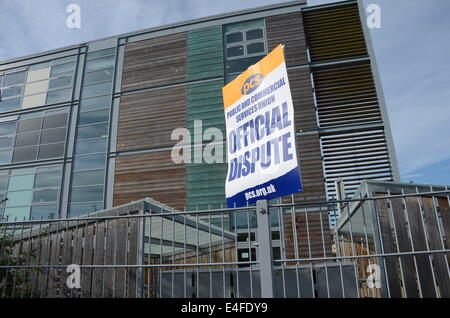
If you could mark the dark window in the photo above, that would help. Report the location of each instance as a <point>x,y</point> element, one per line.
<point>91,146</point>
<point>276,253</point>
<point>87,194</point>
<point>98,76</point>
<point>275,235</point>
<point>254,34</point>
<point>89,162</point>
<point>235,51</point>
<point>55,121</point>
<point>94,131</point>
<point>96,89</point>
<point>255,48</point>
<point>88,178</point>
<point>25,140</point>
<point>53,135</point>
<point>5,157</point>
<point>98,116</point>
<point>15,78</point>
<point>60,82</point>
<point>29,125</point>
<point>234,37</point>
<point>42,196</point>
<point>25,154</point>
<point>95,103</point>
<point>100,63</point>
<point>82,209</point>
<point>46,180</point>
<point>240,65</point>
<point>3,183</point>
<point>51,151</point>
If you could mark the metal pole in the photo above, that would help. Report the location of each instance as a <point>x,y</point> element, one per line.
<point>265,249</point>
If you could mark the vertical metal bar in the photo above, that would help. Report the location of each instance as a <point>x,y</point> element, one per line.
<point>324,250</point>
<point>9,257</point>
<point>28,260</point>
<point>282,245</point>
<point>265,249</point>
<point>173,257</point>
<point>198,251</point>
<point>19,259</point>
<point>250,253</point>
<point>353,247</point>
<point>223,254</point>
<point>161,256</point>
<point>210,255</point>
<point>236,253</point>
<point>184,257</point>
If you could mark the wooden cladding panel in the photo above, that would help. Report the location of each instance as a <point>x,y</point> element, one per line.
<point>334,33</point>
<point>151,175</point>
<point>346,95</point>
<point>147,119</point>
<point>205,53</point>
<point>302,97</point>
<point>154,62</point>
<point>287,29</point>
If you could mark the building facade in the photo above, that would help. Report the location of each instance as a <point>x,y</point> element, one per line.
<point>89,126</point>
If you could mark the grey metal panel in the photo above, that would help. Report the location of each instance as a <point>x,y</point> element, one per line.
<point>78,76</point>
<point>110,183</point>
<point>65,189</point>
<point>119,69</point>
<point>379,89</point>
<point>114,122</point>
<point>39,58</point>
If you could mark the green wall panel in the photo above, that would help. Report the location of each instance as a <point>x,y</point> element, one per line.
<point>205,53</point>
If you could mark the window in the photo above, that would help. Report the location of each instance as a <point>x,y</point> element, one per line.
<point>244,45</point>
<point>15,78</point>
<point>96,89</point>
<point>90,146</point>
<point>53,135</point>
<point>93,131</point>
<point>55,121</point>
<point>98,76</point>
<point>51,151</point>
<point>60,82</point>
<point>63,69</point>
<point>89,162</point>
<point>46,180</point>
<point>82,209</point>
<point>93,117</point>
<point>44,212</point>
<point>48,195</point>
<point>95,177</point>
<point>24,182</point>
<point>29,125</point>
<point>11,91</point>
<point>103,62</point>
<point>87,194</point>
<point>54,97</point>
<point>10,105</point>
<point>29,139</point>
<point>95,103</point>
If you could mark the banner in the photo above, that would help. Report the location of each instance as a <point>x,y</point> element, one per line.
<point>261,149</point>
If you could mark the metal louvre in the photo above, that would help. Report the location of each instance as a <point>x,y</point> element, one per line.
<point>346,95</point>
<point>334,33</point>
<point>354,157</point>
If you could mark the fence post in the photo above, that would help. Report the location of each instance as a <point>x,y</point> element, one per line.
<point>265,249</point>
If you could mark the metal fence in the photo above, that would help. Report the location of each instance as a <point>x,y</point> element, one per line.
<point>385,245</point>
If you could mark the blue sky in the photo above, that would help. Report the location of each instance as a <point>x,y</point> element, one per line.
<point>412,49</point>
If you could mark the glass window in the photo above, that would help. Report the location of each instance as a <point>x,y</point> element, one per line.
<point>25,154</point>
<point>254,34</point>
<point>60,82</point>
<point>234,37</point>
<point>48,195</point>
<point>82,209</point>
<point>6,142</point>
<point>46,180</point>
<point>98,76</point>
<point>96,89</point>
<point>101,53</point>
<point>15,78</point>
<point>51,151</point>
<point>24,182</point>
<point>235,51</point>
<point>62,69</point>
<point>94,131</point>
<point>255,48</point>
<point>25,140</point>
<point>88,178</point>
<point>29,125</point>
<point>95,103</point>
<point>5,157</point>
<point>19,198</point>
<point>98,116</point>
<point>44,212</point>
<point>8,128</point>
<point>103,62</point>
<point>17,213</point>
<point>59,96</point>
<point>89,162</point>
<point>11,91</point>
<point>53,135</point>
<point>3,183</point>
<point>240,65</point>
<point>55,121</point>
<point>91,146</point>
<point>10,105</point>
<point>87,194</point>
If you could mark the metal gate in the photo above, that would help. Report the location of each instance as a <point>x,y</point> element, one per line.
<point>388,242</point>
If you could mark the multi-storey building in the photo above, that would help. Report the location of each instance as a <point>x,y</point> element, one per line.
<point>89,126</point>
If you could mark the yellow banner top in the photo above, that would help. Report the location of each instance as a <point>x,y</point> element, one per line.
<point>233,91</point>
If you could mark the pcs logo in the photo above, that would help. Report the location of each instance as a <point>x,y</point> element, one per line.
<point>252,83</point>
